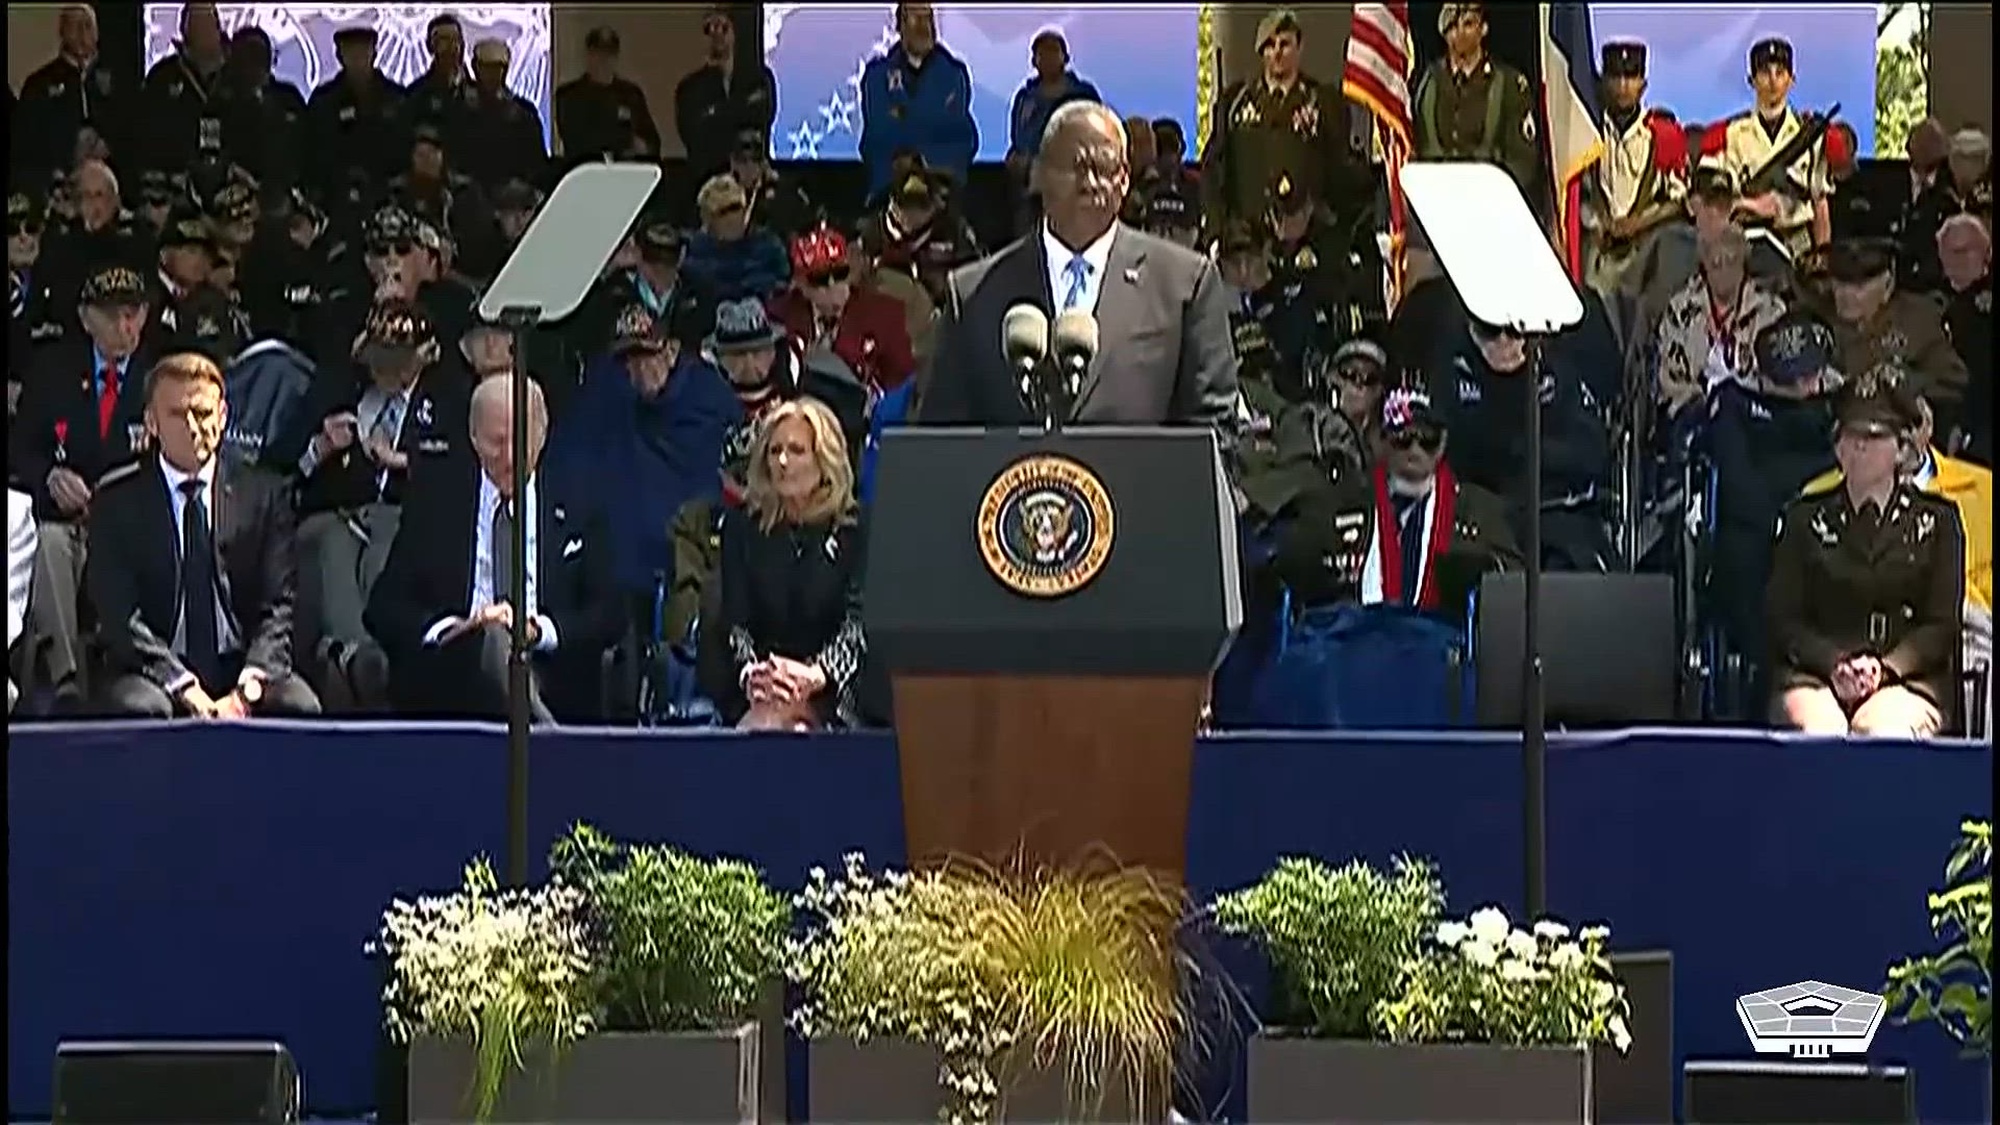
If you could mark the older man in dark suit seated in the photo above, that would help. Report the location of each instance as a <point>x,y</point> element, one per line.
<point>190,566</point>
<point>441,608</point>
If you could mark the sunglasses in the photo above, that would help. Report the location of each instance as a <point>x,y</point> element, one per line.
<point>727,210</point>
<point>392,246</point>
<point>1427,438</point>
<point>824,278</point>
<point>1359,374</point>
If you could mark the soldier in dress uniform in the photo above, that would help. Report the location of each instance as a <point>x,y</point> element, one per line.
<point>1641,183</point>
<point>354,120</point>
<point>1796,207</point>
<point>1471,106</point>
<point>1868,582</point>
<point>601,116</point>
<point>497,133</point>
<point>260,112</point>
<point>436,97</point>
<point>1407,533</point>
<point>1873,324</point>
<point>1310,263</point>
<point>180,115</point>
<point>1283,123</point>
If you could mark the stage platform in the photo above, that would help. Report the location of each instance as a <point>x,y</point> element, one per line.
<point>196,881</point>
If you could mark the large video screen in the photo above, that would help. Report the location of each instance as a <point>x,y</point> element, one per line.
<point>302,38</point>
<point>1699,59</point>
<point>1142,59</point>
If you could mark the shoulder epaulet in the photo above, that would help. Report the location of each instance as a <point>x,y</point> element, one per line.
<point>1929,495</point>
<point>118,474</point>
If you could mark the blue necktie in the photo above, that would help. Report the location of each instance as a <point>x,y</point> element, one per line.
<point>1410,543</point>
<point>1077,273</point>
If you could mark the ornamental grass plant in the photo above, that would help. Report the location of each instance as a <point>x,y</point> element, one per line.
<point>1072,970</point>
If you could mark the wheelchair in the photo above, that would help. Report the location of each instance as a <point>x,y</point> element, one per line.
<point>666,690</point>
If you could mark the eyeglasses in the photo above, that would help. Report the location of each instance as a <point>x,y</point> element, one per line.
<point>1359,374</point>
<point>835,276</point>
<point>1427,438</point>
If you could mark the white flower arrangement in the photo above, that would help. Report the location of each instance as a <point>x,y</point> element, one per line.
<point>1484,980</point>
<point>503,969</point>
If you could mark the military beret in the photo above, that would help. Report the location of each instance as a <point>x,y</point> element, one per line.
<point>356,33</point>
<point>1770,52</point>
<point>1860,259</point>
<point>601,38</point>
<point>1796,346</point>
<point>1288,195</point>
<point>1623,59</point>
<point>115,285</point>
<point>1276,22</point>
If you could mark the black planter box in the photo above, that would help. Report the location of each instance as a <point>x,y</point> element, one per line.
<point>894,1080</point>
<point>705,1077</point>
<point>1357,1082</point>
<point>1637,1088</point>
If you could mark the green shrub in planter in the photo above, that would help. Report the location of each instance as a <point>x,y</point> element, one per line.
<point>1470,1020</point>
<point>683,943</point>
<point>1004,974</point>
<point>1954,988</point>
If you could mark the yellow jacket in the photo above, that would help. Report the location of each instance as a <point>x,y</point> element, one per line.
<point>1970,488</point>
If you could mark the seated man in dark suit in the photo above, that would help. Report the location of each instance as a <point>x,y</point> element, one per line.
<point>190,566</point>
<point>440,608</point>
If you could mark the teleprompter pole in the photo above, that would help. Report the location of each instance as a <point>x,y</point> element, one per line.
<point>1534,719</point>
<point>518,321</point>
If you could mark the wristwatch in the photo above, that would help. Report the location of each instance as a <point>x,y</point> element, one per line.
<point>252,690</point>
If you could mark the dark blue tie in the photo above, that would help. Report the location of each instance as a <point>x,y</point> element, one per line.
<point>1410,539</point>
<point>203,641</point>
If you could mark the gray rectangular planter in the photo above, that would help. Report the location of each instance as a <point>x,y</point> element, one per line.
<point>706,1077</point>
<point>1356,1082</point>
<point>892,1080</point>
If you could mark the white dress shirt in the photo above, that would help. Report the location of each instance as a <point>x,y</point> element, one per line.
<point>225,630</point>
<point>21,540</point>
<point>1098,254</point>
<point>489,588</point>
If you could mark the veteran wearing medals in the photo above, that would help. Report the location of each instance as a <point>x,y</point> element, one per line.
<point>1284,123</point>
<point>1778,158</point>
<point>1641,184</point>
<point>1868,581</point>
<point>1472,107</point>
<point>1410,533</point>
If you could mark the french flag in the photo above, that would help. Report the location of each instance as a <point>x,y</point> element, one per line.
<point>1570,109</point>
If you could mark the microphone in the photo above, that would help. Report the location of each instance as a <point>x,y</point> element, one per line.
<point>1024,337</point>
<point>1075,346</point>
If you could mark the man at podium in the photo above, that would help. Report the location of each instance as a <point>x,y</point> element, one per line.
<point>1163,353</point>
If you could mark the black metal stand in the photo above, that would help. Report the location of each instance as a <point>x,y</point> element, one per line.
<point>1534,719</point>
<point>519,321</point>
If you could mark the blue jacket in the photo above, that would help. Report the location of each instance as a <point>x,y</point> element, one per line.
<point>1031,112</point>
<point>638,461</point>
<point>752,266</point>
<point>927,110</point>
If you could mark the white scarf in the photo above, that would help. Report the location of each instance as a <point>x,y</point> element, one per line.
<point>1371,567</point>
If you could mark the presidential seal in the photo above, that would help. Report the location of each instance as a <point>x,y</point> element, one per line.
<point>1045,526</point>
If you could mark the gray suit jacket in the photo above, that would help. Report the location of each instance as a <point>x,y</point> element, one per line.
<point>1164,354</point>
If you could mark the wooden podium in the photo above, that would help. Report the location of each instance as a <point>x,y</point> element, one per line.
<point>1049,609</point>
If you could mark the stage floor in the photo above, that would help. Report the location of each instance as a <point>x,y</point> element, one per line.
<point>197,881</point>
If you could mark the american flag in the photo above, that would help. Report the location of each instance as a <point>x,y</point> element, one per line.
<point>1379,51</point>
